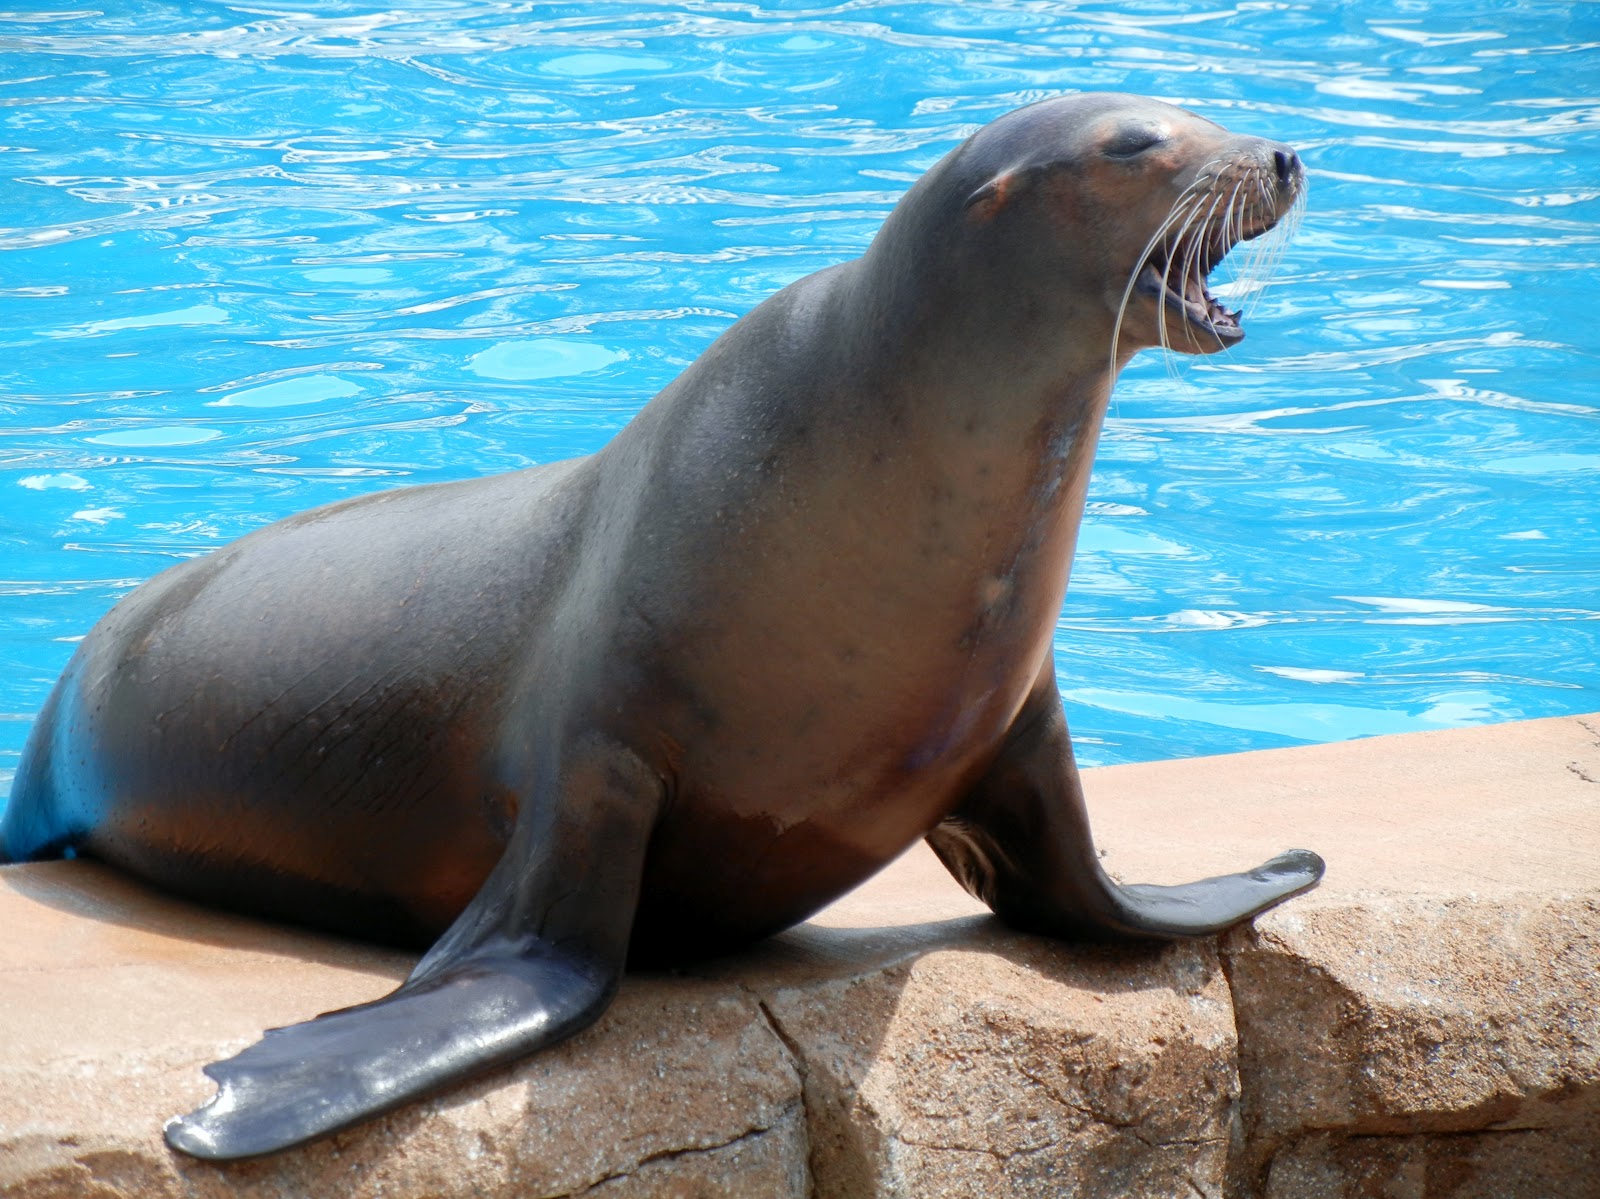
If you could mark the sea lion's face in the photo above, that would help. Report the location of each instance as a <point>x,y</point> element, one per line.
<point>1133,202</point>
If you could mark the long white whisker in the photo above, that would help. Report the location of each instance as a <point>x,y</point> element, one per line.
<point>1285,231</point>
<point>1200,248</point>
<point>1190,195</point>
<point>1232,225</point>
<point>1247,273</point>
<point>1192,236</point>
<point>1176,213</point>
<point>1189,236</point>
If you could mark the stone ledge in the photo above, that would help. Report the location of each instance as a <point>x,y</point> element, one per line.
<point>1425,1024</point>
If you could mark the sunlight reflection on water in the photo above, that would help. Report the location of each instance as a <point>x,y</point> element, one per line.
<point>259,261</point>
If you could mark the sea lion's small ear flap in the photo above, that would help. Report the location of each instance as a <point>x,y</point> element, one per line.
<point>993,195</point>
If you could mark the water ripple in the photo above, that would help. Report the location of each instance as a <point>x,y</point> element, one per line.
<point>259,257</point>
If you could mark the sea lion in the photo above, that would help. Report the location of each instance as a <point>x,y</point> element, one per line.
<point>682,693</point>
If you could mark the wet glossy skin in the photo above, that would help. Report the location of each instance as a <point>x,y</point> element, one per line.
<point>795,616</point>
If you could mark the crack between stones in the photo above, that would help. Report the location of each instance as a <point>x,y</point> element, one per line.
<point>1094,1116</point>
<point>778,1031</point>
<point>1344,1135</point>
<point>1445,1132</point>
<point>799,1059</point>
<point>665,1155</point>
<point>759,1130</point>
<point>1236,1172</point>
<point>979,1150</point>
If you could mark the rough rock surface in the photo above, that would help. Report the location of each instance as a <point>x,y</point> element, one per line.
<point>1016,1070</point>
<point>1424,1026</point>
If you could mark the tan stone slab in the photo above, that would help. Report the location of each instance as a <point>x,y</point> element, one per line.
<point>112,998</point>
<point>1501,808</point>
<point>1012,1066</point>
<point>1430,1015</point>
<point>1427,1022</point>
<point>1537,1163</point>
<point>1436,992</point>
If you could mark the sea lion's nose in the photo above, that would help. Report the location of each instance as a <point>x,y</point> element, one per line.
<point>1286,166</point>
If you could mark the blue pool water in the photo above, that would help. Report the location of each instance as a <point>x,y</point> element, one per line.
<point>261,257</point>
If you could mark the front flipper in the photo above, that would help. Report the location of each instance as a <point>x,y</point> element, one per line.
<point>536,956</point>
<point>1020,842</point>
<point>346,1066</point>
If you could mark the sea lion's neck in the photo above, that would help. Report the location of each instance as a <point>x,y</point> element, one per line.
<point>1002,397</point>
<point>880,375</point>
<point>897,343</point>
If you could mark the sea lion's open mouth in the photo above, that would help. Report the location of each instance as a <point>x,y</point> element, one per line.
<point>1180,284</point>
<point>1176,274</point>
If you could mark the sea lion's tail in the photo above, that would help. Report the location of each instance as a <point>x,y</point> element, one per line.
<point>30,830</point>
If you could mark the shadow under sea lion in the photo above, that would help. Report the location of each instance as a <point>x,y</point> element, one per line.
<point>680,694</point>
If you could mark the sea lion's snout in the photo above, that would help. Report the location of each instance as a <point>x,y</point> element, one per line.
<point>1246,187</point>
<point>1283,178</point>
<point>1279,175</point>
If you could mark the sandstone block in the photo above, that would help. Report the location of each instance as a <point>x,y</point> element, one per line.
<point>1023,1070</point>
<point>1426,1025</point>
<point>113,997</point>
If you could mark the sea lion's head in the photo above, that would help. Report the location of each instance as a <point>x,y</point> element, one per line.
<point>1104,214</point>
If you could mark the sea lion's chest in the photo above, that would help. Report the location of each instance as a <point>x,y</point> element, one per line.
<point>794,783</point>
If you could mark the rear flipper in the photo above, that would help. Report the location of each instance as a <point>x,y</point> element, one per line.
<point>535,957</point>
<point>1020,841</point>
